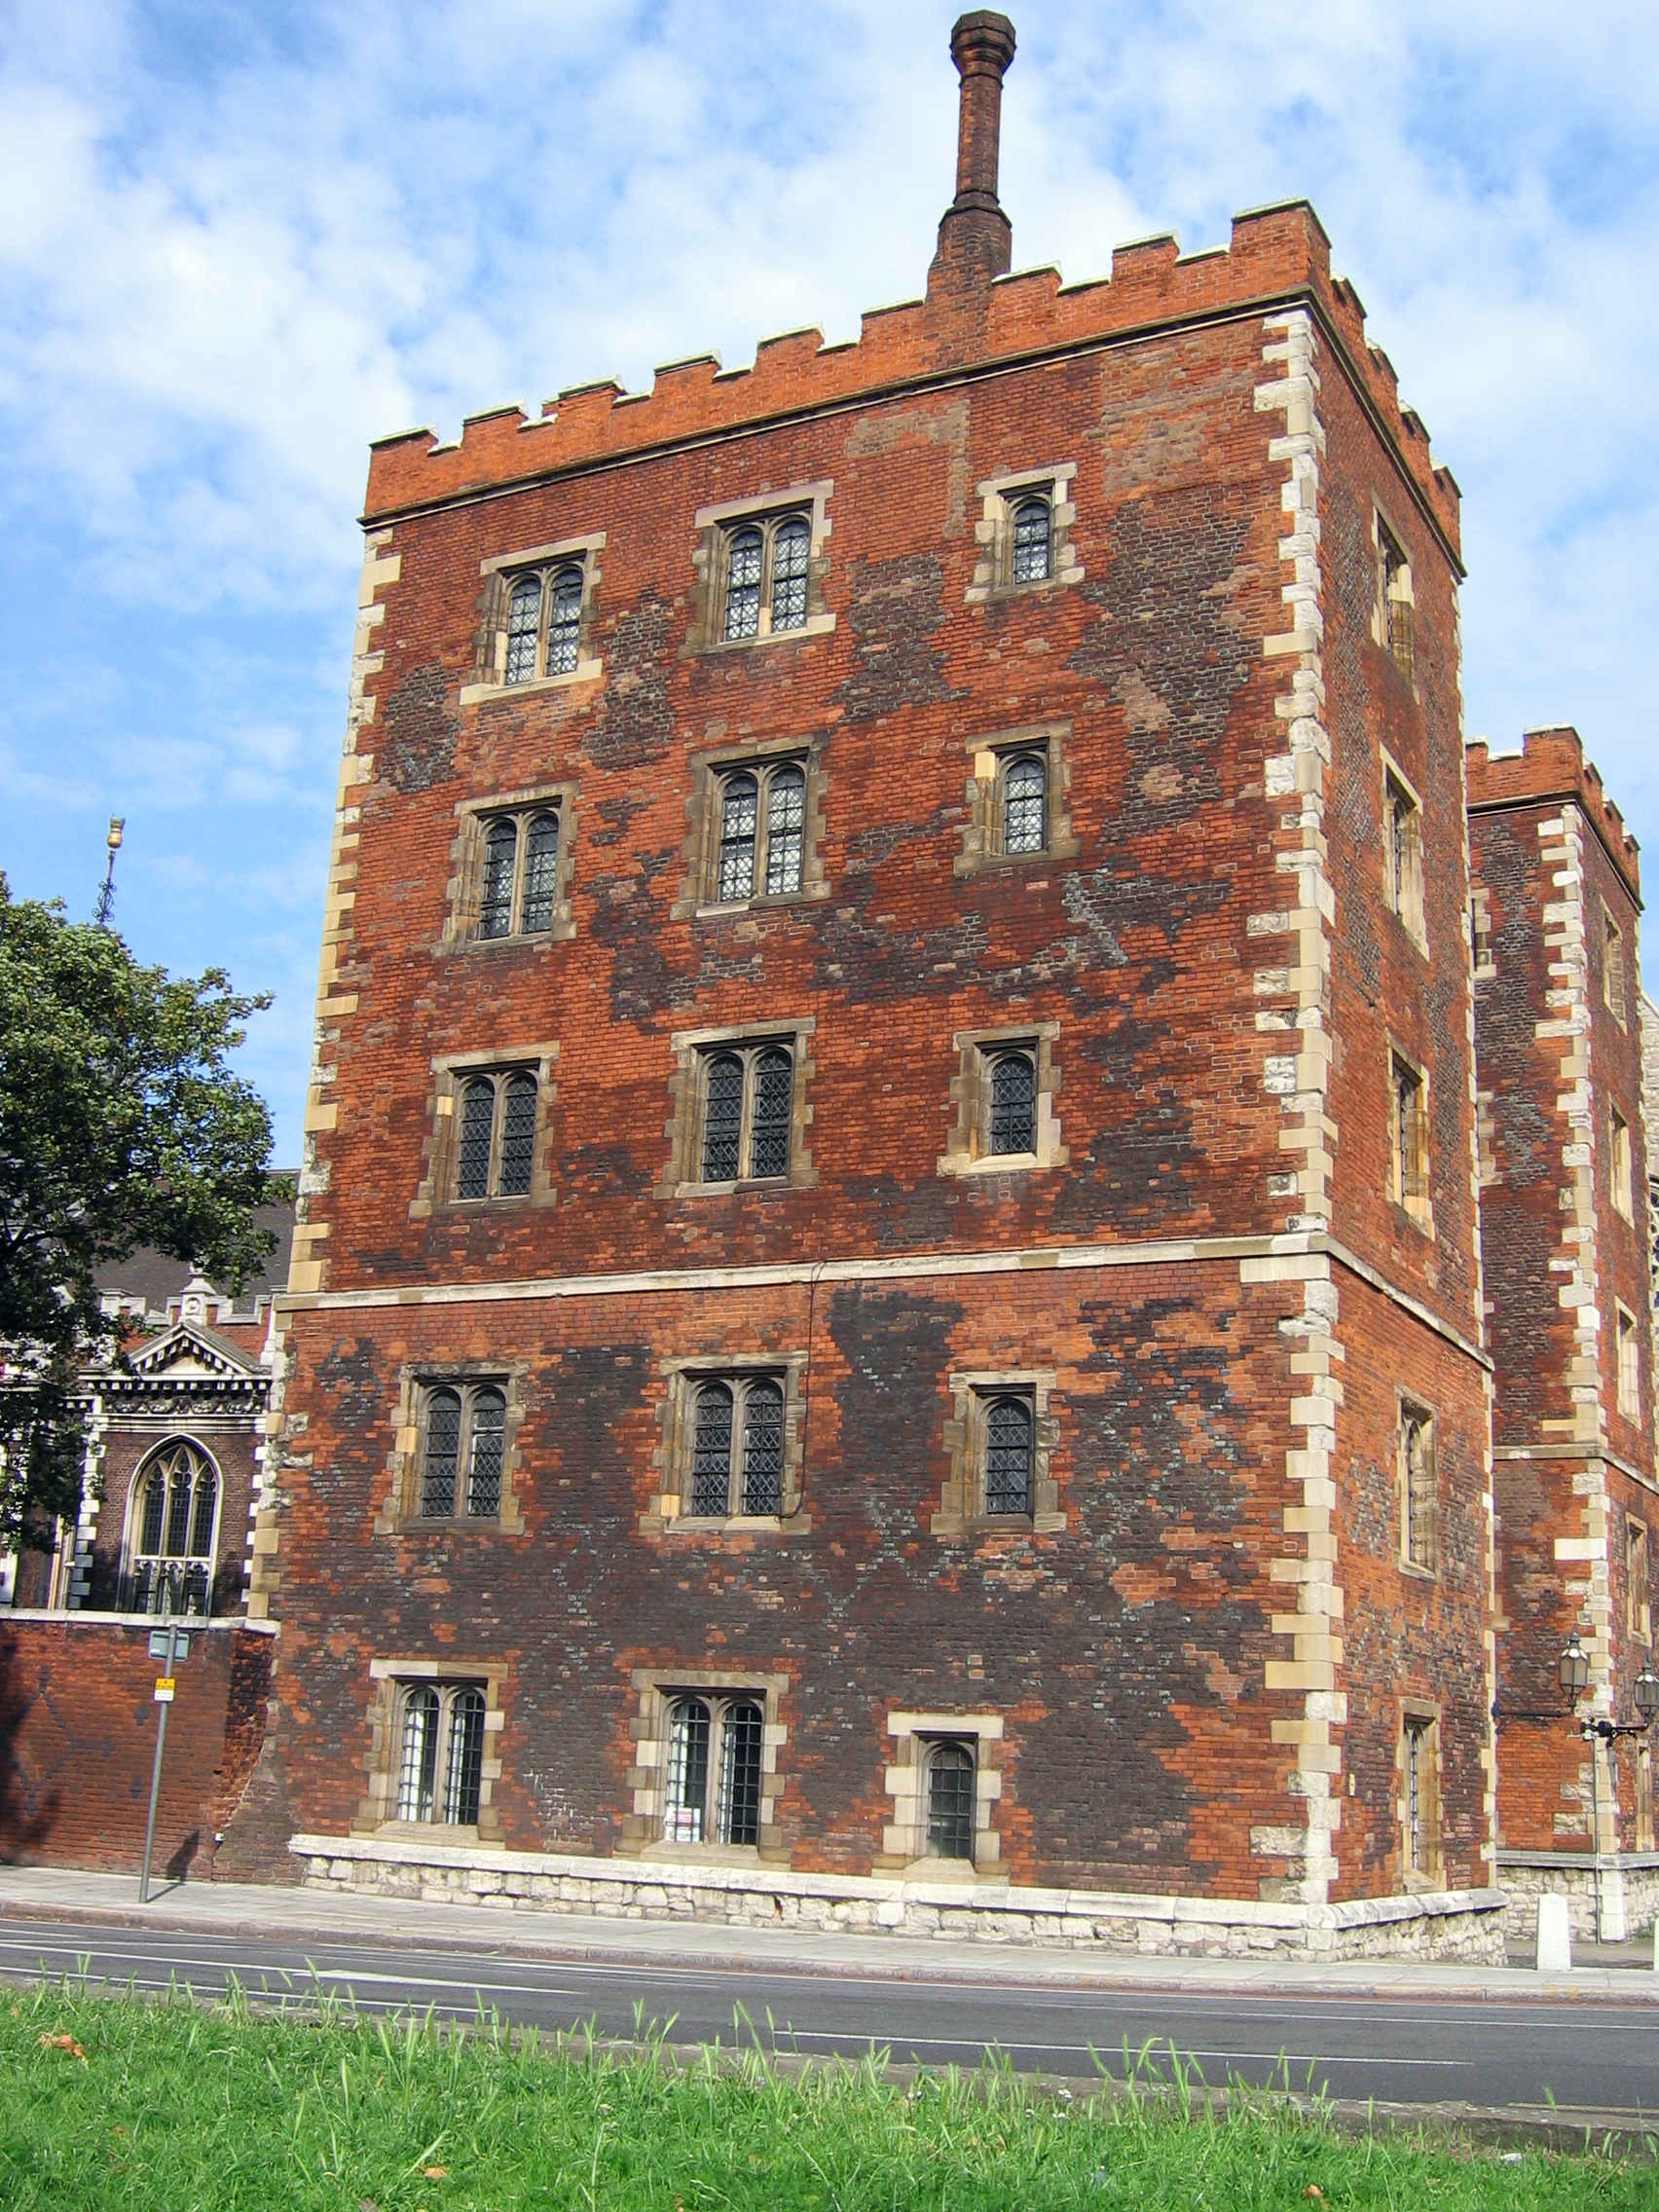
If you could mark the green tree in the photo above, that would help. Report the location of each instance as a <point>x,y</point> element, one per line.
<point>121,1125</point>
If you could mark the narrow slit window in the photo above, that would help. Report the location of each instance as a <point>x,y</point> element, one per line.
<point>1402,830</point>
<point>501,865</point>
<point>1397,612</point>
<point>518,1136</point>
<point>465,1759</point>
<point>1416,1795</point>
<point>1013,1103</point>
<point>786,828</point>
<point>524,626</point>
<point>710,1452</point>
<point>763,1449</point>
<point>477,1130</point>
<point>416,1781</point>
<point>563,620</point>
<point>1409,1170</point>
<point>1638,1608</point>
<point>950,1801</point>
<point>488,1444</point>
<point>739,813</point>
<point>722,1118</point>
<point>744,553</point>
<point>774,1101</point>
<point>1619,1163</point>
<point>1033,536</point>
<point>1418,1486</point>
<point>687,1788</point>
<point>443,1454</point>
<point>540,874</point>
<point>1025,783</point>
<point>1628,1353</point>
<point>1613,968</point>
<point>790,544</point>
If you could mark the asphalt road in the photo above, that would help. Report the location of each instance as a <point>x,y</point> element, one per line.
<point>1425,2050</point>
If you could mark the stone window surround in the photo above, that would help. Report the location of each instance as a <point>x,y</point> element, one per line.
<point>715,524</point>
<point>489,683</point>
<point>134,1511</point>
<point>1482,944</point>
<point>1638,1600</point>
<point>1416,926</point>
<point>671,1462</point>
<point>1385,535</point>
<point>400,1514</point>
<point>466,887</point>
<point>1407,1407</point>
<point>1615,996</point>
<point>1420,1211</point>
<point>993,533</point>
<point>377,1809</point>
<point>657,1688</point>
<point>450,1071</point>
<point>982,833</point>
<point>684,1128</point>
<point>970,1094</point>
<point>700,887</point>
<point>1621,1171</point>
<point>961,1509</point>
<point>1426,1712</point>
<point>1627,1331</point>
<point>905,1837</point>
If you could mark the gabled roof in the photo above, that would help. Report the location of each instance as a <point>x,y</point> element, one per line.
<point>188,1351</point>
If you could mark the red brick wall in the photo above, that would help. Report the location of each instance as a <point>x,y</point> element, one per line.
<point>78,1735</point>
<point>126,1452</point>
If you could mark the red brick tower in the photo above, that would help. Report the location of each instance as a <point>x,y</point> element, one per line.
<point>887,1300</point>
<point>1565,1238</point>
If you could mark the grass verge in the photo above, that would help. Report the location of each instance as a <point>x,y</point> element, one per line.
<point>179,2107</point>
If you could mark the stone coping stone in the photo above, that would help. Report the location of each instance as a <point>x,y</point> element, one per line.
<point>1582,1862</point>
<point>988,1899</point>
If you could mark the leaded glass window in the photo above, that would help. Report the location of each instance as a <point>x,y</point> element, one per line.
<point>174,1527</point>
<point>724,1086</point>
<point>464,1426</point>
<point>720,1740</point>
<point>790,542</point>
<point>950,1801</point>
<point>1025,804</point>
<point>465,1759</point>
<point>540,874</point>
<point>1009,1439</point>
<point>785,826</point>
<point>745,554</point>
<point>500,867</point>
<point>773,1110</point>
<point>739,815</point>
<point>1033,531</point>
<point>563,620</point>
<point>748,1110</point>
<point>495,1142</point>
<point>737,1448</point>
<point>1013,1103</point>
<point>440,1770</point>
<point>518,894</point>
<point>418,1768</point>
<point>523,629</point>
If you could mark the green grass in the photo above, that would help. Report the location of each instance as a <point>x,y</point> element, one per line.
<point>178,2107</point>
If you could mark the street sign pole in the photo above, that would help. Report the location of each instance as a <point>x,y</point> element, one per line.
<point>164,1698</point>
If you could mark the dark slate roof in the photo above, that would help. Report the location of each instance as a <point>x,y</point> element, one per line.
<point>155,1278</point>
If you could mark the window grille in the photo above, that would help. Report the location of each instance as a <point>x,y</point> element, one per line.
<point>540,874</point>
<point>500,867</point>
<point>563,620</point>
<point>1033,533</point>
<point>786,829</point>
<point>463,1426</point>
<point>1402,831</point>
<point>790,544</point>
<point>737,1448</point>
<point>1418,1480</point>
<point>950,1801</point>
<point>418,1774</point>
<point>1024,805</point>
<point>744,553</point>
<point>1419,1783</point>
<point>175,1523</point>
<point>496,1148</point>
<point>465,1759</point>
<point>1013,1103</point>
<point>723,1739</point>
<point>1009,1439</point>
<point>524,626</point>
<point>518,894</point>
<point>739,814</point>
<point>1409,1168</point>
<point>747,1107</point>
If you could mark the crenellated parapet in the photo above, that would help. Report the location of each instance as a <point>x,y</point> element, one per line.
<point>1550,766</point>
<point>969,325</point>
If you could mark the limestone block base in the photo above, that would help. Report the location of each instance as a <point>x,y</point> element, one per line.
<point>1629,1890</point>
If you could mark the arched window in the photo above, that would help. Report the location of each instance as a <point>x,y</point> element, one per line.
<point>1024,810</point>
<point>717,1737</point>
<point>764,1449</point>
<point>464,1428</point>
<point>710,1452</point>
<point>774,1103</point>
<point>1013,1103</point>
<point>477,1131</point>
<point>500,864</point>
<point>442,1737</point>
<point>487,1444</point>
<point>790,542</point>
<point>174,1527</point>
<point>540,874</point>
<point>950,1801</point>
<point>785,826</point>
<point>1033,529</point>
<point>563,620</point>
<point>518,1136</point>
<point>739,814</point>
<point>1009,1439</point>
<point>1418,1486</point>
<point>744,553</point>
<point>722,1118</point>
<point>443,1453</point>
<point>523,625</point>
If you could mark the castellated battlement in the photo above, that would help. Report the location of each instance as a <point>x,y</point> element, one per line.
<point>969,323</point>
<point>1551,767</point>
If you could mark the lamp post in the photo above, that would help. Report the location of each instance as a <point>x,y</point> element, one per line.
<point>1572,1672</point>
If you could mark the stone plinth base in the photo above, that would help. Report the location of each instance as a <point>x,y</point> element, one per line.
<point>1629,1890</point>
<point>1448,1923</point>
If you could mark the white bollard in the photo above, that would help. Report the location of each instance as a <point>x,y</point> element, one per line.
<point>1656,1947</point>
<point>1554,1935</point>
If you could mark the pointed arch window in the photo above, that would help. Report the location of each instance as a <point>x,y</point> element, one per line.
<point>174,1530</point>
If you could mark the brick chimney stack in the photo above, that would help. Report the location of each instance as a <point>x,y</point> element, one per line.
<point>975,239</point>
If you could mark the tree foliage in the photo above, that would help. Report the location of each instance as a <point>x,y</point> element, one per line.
<point>121,1125</point>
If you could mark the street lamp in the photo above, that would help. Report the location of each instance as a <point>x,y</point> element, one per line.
<point>1572,1669</point>
<point>1647,1693</point>
<point>1572,1672</point>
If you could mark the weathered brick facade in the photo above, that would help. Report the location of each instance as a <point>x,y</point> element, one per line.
<point>1195,1665</point>
<point>1567,1242</point>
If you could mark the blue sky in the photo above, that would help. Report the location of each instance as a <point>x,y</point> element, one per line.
<point>237,242</point>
